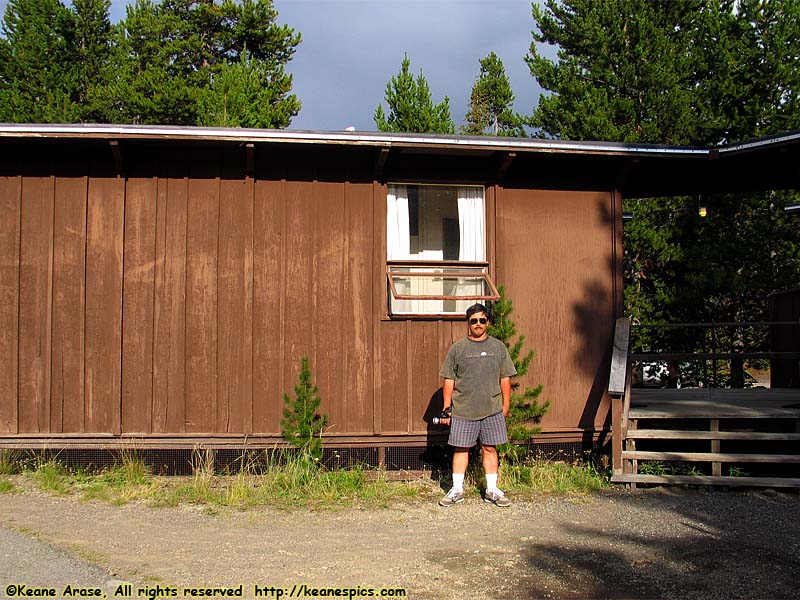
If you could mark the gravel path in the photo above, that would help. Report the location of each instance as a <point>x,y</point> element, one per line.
<point>658,543</point>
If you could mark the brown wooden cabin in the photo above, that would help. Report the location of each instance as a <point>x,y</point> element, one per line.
<point>159,285</point>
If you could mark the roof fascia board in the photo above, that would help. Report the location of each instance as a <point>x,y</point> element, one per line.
<point>776,140</point>
<point>409,141</point>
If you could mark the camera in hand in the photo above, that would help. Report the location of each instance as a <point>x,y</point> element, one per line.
<point>443,418</point>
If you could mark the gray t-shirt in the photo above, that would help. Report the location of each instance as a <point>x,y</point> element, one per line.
<point>476,369</point>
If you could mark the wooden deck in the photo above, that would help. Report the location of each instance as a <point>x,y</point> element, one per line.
<point>667,409</point>
<point>709,427</point>
<point>706,403</point>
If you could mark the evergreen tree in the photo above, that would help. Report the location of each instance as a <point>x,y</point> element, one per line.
<point>301,425</point>
<point>36,80</point>
<point>245,94</point>
<point>524,408</point>
<point>175,51</point>
<point>92,50</point>
<point>491,103</point>
<point>625,70</point>
<point>410,106</point>
<point>696,72</point>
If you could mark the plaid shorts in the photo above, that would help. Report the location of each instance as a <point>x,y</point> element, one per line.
<point>491,431</point>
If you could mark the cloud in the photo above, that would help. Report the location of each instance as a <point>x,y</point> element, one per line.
<point>351,48</point>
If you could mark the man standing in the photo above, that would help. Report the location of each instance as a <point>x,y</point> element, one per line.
<point>477,386</point>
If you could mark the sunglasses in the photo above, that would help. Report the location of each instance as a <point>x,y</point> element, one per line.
<point>475,321</point>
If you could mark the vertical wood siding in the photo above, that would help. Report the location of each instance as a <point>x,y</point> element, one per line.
<point>555,257</point>
<point>69,305</point>
<point>10,204</point>
<point>180,299</point>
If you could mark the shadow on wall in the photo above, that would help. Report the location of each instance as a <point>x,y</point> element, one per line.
<point>596,331</point>
<point>437,453</point>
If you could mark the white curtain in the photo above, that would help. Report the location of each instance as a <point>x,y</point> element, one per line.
<point>471,230</point>
<point>398,238</point>
<point>471,223</point>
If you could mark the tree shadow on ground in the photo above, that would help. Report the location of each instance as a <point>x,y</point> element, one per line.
<point>683,544</point>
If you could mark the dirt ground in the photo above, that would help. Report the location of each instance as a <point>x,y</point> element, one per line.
<point>659,543</point>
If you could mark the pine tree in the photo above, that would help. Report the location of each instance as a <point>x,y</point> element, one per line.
<point>36,81</point>
<point>175,52</point>
<point>246,94</point>
<point>525,406</point>
<point>92,48</point>
<point>692,72</point>
<point>491,103</point>
<point>625,70</point>
<point>301,425</point>
<point>410,106</point>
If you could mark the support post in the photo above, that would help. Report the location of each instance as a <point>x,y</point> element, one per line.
<point>716,466</point>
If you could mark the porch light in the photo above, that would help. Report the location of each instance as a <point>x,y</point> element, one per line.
<point>702,209</point>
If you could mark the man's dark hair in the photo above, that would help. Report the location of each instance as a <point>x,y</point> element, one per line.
<point>478,308</point>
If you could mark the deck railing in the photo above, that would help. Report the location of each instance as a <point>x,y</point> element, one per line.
<point>711,345</point>
<point>710,356</point>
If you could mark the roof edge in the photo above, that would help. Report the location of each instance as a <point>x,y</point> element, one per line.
<point>377,139</point>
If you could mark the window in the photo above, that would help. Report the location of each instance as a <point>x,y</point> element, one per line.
<point>436,249</point>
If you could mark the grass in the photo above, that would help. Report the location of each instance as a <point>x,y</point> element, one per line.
<point>285,481</point>
<point>553,477</point>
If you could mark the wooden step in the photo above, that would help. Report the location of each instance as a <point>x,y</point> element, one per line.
<point>707,403</point>
<point>789,482</point>
<point>695,410</point>
<point>674,434</point>
<point>710,457</point>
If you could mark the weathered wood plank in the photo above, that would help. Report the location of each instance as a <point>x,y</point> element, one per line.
<point>727,411</point>
<point>757,403</point>
<point>329,268</point>
<point>672,434</point>
<point>618,419</point>
<point>202,240</point>
<point>619,357</point>
<point>104,248</point>
<point>268,287</point>
<point>69,300</point>
<point>791,482</point>
<point>424,369</point>
<point>35,303</point>
<point>169,341</point>
<point>358,299</point>
<point>141,198</point>
<point>394,390</point>
<point>716,447</point>
<point>297,324</point>
<point>235,383</point>
<point>710,457</point>
<point>379,302</point>
<point>10,197</point>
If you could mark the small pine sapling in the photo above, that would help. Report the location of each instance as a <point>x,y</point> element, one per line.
<point>302,425</point>
<point>525,408</point>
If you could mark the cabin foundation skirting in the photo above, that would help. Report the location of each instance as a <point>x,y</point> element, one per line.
<point>262,442</point>
<point>183,455</point>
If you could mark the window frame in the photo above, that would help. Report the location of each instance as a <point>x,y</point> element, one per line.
<point>470,267</point>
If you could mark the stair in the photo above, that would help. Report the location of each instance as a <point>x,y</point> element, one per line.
<point>732,418</point>
<point>701,436</point>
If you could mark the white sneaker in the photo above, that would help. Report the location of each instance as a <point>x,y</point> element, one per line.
<point>497,498</point>
<point>452,497</point>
